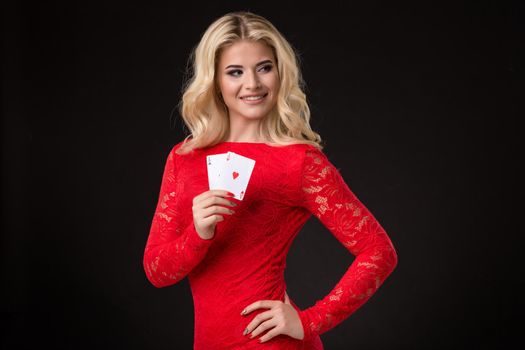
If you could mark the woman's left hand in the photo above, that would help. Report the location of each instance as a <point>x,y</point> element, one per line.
<point>282,318</point>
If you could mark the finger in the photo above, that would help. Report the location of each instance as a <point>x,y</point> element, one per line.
<point>210,206</point>
<point>268,304</point>
<point>211,193</point>
<point>220,193</point>
<point>216,209</point>
<point>215,200</point>
<point>264,323</point>
<point>257,320</point>
<point>271,333</point>
<point>212,219</point>
<point>206,215</point>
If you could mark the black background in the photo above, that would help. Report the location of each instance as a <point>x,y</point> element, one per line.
<point>418,104</point>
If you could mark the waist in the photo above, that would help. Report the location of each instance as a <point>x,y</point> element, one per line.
<point>213,332</point>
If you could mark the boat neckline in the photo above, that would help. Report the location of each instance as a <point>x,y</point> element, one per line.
<point>256,143</point>
<point>246,142</point>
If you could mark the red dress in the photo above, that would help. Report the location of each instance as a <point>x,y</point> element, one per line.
<point>245,260</point>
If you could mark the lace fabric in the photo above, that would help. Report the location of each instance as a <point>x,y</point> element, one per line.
<point>245,260</point>
<point>327,196</point>
<point>172,249</point>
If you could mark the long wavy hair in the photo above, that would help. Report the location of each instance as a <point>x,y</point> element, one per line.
<point>203,109</point>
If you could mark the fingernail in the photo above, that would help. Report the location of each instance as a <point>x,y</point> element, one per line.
<point>245,331</point>
<point>231,194</point>
<point>243,312</point>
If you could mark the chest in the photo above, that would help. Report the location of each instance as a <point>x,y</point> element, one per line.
<point>275,178</point>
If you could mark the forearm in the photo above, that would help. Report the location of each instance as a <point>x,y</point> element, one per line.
<point>168,263</point>
<point>362,279</point>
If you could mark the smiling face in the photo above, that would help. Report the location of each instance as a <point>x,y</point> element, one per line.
<point>248,79</point>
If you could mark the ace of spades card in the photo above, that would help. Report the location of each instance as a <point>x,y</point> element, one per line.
<point>229,171</point>
<point>215,164</point>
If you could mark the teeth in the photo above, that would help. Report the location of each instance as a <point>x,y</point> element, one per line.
<point>252,98</point>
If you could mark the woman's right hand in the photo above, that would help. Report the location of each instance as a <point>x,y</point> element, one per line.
<point>207,209</point>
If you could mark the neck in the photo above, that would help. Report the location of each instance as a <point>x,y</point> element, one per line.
<point>244,130</point>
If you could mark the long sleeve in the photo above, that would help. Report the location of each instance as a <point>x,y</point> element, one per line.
<point>172,250</point>
<point>326,195</point>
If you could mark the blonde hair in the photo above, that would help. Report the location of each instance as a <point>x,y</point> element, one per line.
<point>202,107</point>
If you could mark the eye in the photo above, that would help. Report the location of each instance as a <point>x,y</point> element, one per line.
<point>267,68</point>
<point>232,72</point>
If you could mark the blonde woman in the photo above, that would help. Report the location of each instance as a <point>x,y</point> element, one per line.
<point>246,97</point>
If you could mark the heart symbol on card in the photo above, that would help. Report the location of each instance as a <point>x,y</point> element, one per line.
<point>235,175</point>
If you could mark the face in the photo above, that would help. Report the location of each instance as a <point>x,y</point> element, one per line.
<point>248,79</point>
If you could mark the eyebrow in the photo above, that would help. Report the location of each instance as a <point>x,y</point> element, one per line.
<point>257,65</point>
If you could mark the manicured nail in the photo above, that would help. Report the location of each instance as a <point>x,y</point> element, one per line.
<point>231,194</point>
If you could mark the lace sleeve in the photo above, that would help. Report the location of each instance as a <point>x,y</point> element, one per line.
<point>326,195</point>
<point>171,251</point>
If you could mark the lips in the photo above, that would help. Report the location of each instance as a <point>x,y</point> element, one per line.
<point>253,97</point>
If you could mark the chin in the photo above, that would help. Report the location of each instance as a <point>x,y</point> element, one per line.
<point>252,114</point>
<point>257,115</point>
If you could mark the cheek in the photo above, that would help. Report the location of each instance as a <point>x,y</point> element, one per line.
<point>228,87</point>
<point>272,82</point>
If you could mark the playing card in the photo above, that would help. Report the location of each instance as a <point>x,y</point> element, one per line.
<point>237,173</point>
<point>229,171</point>
<point>215,164</point>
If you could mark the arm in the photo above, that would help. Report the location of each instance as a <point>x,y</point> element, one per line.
<point>172,251</point>
<point>328,197</point>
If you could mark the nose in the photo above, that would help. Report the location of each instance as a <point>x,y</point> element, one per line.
<point>252,80</point>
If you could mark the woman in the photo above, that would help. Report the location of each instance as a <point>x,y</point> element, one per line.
<point>245,96</point>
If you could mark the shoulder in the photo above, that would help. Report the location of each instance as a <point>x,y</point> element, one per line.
<point>176,147</point>
<point>300,155</point>
<point>172,156</point>
<point>315,163</point>
<point>304,159</point>
<point>295,154</point>
<point>308,154</point>
<point>303,149</point>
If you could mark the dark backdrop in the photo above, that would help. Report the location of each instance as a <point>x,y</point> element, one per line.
<point>418,105</point>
